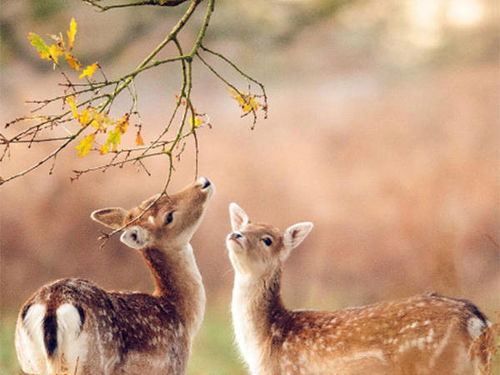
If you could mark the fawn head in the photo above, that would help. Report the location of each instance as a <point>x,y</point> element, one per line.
<point>171,220</point>
<point>257,249</point>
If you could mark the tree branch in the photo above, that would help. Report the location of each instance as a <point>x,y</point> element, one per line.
<point>167,3</point>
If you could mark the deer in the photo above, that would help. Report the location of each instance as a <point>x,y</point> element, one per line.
<point>426,334</point>
<point>74,327</point>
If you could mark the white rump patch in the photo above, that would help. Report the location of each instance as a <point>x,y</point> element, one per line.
<point>29,341</point>
<point>475,327</point>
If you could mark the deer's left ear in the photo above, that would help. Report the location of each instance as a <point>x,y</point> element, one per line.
<point>238,217</point>
<point>294,235</point>
<point>113,217</point>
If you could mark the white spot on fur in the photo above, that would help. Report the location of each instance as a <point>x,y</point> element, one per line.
<point>475,327</point>
<point>29,341</point>
<point>72,344</point>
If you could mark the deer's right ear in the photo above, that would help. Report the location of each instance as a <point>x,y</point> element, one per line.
<point>113,217</point>
<point>238,217</point>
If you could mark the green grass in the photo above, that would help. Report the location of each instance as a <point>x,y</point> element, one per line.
<point>8,360</point>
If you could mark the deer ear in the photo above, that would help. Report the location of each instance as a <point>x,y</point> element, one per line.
<point>113,217</point>
<point>150,200</point>
<point>295,234</point>
<point>238,217</point>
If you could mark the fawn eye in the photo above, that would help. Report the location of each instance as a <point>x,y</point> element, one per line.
<point>267,241</point>
<point>169,218</point>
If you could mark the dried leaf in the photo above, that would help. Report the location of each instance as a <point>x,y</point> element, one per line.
<point>73,61</point>
<point>122,123</point>
<point>89,71</point>
<point>138,139</point>
<point>85,145</point>
<point>71,33</point>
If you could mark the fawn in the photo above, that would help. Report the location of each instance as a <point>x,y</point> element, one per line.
<point>425,334</point>
<point>74,327</point>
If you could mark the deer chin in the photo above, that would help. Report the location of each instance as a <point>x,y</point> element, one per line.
<point>235,245</point>
<point>136,237</point>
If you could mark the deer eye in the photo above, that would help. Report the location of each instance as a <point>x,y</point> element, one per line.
<point>267,241</point>
<point>169,217</point>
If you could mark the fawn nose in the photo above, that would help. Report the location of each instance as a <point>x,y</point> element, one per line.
<point>235,236</point>
<point>205,182</point>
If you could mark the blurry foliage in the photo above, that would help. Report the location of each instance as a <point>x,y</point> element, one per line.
<point>45,10</point>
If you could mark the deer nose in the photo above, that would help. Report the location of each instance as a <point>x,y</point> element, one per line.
<point>205,182</point>
<point>235,236</point>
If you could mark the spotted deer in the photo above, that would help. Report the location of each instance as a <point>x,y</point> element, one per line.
<point>74,327</point>
<point>426,334</point>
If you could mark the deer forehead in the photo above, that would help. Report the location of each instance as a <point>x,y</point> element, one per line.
<point>261,230</point>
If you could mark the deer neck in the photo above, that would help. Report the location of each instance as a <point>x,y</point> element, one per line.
<point>178,282</point>
<point>257,308</point>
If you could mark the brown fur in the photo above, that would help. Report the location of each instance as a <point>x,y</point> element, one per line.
<point>426,334</point>
<point>139,333</point>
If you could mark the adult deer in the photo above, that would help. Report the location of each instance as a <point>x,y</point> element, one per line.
<point>74,327</point>
<point>427,334</point>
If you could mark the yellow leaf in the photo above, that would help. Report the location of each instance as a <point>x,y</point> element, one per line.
<point>85,145</point>
<point>104,149</point>
<point>73,61</point>
<point>122,124</point>
<point>89,71</point>
<point>197,122</point>
<point>246,101</point>
<point>85,117</point>
<point>72,104</point>
<point>55,51</point>
<point>97,119</point>
<point>71,33</point>
<point>138,139</point>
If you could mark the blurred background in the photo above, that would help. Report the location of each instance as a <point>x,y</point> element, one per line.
<point>383,130</point>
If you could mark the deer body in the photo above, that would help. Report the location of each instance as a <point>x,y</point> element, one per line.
<point>74,327</point>
<point>426,334</point>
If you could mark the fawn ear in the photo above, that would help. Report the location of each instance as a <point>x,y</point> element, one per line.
<point>112,217</point>
<point>150,200</point>
<point>237,216</point>
<point>294,235</point>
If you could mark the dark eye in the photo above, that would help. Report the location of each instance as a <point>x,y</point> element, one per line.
<point>267,241</point>
<point>169,217</point>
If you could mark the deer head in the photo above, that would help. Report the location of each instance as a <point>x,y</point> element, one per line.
<point>170,221</point>
<point>258,249</point>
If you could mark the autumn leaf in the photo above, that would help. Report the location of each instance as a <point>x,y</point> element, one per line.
<point>89,71</point>
<point>114,139</point>
<point>71,33</point>
<point>73,61</point>
<point>85,145</point>
<point>138,139</point>
<point>55,51</point>
<point>246,101</point>
<point>196,122</point>
<point>104,149</point>
<point>98,120</point>
<point>85,117</point>
<point>122,123</point>
<point>39,44</point>
<point>72,104</point>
